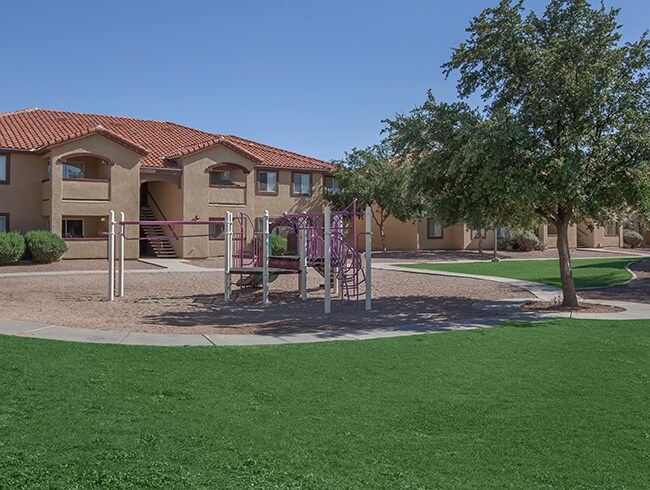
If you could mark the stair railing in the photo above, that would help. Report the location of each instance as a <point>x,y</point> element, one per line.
<point>164,218</point>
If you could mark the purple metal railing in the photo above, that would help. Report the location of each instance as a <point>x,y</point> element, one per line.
<point>346,261</point>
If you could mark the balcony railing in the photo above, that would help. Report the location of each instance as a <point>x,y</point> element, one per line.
<point>227,195</point>
<point>86,189</point>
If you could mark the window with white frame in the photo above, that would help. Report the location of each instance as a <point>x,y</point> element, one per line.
<point>434,229</point>
<point>267,182</point>
<point>501,232</point>
<point>332,185</point>
<point>73,170</point>
<point>221,177</point>
<point>478,234</point>
<point>216,230</point>
<point>4,169</point>
<point>72,228</point>
<point>4,222</point>
<point>301,184</point>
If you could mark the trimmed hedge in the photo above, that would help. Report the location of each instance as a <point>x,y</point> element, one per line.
<point>12,247</point>
<point>45,246</point>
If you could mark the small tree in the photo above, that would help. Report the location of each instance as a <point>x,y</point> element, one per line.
<point>375,178</point>
<point>564,135</point>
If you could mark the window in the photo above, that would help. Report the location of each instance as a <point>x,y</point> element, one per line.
<point>73,170</point>
<point>4,169</point>
<point>72,228</point>
<point>221,177</point>
<point>217,230</point>
<point>332,185</point>
<point>4,222</point>
<point>301,184</point>
<point>502,232</point>
<point>478,234</point>
<point>552,229</point>
<point>611,229</point>
<point>267,182</point>
<point>434,230</point>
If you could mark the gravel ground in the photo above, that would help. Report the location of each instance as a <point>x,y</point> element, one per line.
<point>70,265</point>
<point>636,291</point>
<point>193,303</point>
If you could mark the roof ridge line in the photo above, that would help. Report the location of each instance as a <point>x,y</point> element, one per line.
<point>19,111</point>
<point>277,149</point>
<point>34,109</point>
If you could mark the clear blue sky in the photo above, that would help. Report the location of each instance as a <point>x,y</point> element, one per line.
<point>313,77</point>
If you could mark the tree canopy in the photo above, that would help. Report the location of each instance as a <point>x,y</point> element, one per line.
<point>375,178</point>
<point>563,134</point>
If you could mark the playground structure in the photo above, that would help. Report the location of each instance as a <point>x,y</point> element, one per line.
<point>325,241</point>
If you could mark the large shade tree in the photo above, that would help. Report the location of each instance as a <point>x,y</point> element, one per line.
<point>375,178</point>
<point>563,135</point>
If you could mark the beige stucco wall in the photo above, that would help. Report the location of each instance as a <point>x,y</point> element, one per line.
<point>199,199</point>
<point>453,238</point>
<point>601,239</point>
<point>551,240</point>
<point>124,190</point>
<point>399,236</point>
<point>22,197</point>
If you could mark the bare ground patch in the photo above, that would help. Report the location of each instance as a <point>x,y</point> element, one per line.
<point>552,307</point>
<point>193,303</point>
<point>636,291</point>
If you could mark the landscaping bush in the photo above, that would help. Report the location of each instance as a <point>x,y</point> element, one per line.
<point>12,247</point>
<point>278,245</point>
<point>45,246</point>
<point>520,241</point>
<point>632,239</point>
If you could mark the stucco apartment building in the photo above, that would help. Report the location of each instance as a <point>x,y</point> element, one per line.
<point>426,234</point>
<point>65,171</point>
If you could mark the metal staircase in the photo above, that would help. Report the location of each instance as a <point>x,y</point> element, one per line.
<point>160,244</point>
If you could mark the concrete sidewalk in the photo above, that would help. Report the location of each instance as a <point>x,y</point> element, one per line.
<point>71,334</point>
<point>499,311</point>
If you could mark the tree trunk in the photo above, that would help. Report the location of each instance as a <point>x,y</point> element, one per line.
<point>382,234</point>
<point>570,298</point>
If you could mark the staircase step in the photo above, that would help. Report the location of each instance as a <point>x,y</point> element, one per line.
<point>158,240</point>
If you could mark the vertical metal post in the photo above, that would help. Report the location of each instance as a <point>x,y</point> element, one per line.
<point>496,244</point>
<point>121,246</point>
<point>328,264</point>
<point>338,237</point>
<point>111,256</point>
<point>265,258</point>
<point>302,247</point>
<point>227,258</point>
<point>368,258</point>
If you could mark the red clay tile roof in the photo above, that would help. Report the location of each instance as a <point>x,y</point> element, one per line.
<point>160,143</point>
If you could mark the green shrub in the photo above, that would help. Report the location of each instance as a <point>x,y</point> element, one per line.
<point>520,241</point>
<point>632,239</point>
<point>278,245</point>
<point>12,247</point>
<point>45,246</point>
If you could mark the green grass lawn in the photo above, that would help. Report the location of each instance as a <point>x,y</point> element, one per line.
<point>563,404</point>
<point>588,273</point>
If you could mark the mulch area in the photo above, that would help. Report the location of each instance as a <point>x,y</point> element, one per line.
<point>636,291</point>
<point>552,307</point>
<point>193,303</point>
<point>71,265</point>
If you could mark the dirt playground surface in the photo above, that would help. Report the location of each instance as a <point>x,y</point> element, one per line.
<point>170,302</point>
